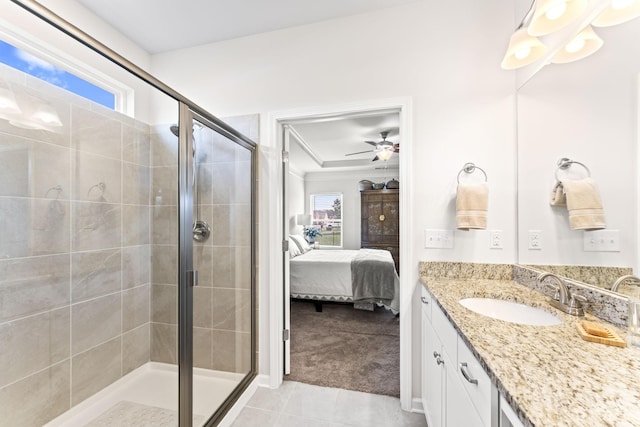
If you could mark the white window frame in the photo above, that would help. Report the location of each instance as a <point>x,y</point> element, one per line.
<point>311,210</point>
<point>124,95</point>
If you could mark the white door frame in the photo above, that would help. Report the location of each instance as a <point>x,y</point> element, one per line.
<point>271,250</point>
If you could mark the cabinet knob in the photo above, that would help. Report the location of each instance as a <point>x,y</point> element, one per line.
<point>439,361</point>
<point>436,354</point>
<point>424,300</point>
<point>381,217</point>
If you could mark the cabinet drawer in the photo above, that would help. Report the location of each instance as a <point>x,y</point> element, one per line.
<point>445,331</point>
<point>425,302</point>
<point>479,393</point>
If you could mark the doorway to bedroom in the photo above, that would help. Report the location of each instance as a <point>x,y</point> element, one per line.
<point>341,220</point>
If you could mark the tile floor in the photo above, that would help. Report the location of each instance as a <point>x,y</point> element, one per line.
<point>296,404</point>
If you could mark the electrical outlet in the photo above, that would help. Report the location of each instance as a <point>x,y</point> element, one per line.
<point>535,240</point>
<point>601,241</point>
<point>495,239</point>
<point>440,239</point>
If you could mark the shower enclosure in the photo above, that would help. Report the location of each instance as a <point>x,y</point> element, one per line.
<point>116,302</point>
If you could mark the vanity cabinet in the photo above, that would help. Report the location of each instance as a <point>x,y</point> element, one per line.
<point>456,391</point>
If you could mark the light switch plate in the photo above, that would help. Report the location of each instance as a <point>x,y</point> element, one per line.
<point>601,241</point>
<point>438,239</point>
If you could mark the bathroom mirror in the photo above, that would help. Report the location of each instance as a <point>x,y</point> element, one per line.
<point>586,111</point>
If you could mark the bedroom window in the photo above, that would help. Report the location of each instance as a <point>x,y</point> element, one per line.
<point>327,217</point>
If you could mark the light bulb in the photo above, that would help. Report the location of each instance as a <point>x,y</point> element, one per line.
<point>621,4</point>
<point>556,11</point>
<point>522,52</point>
<point>575,45</point>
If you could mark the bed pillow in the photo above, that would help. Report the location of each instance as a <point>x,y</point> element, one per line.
<point>302,244</point>
<point>294,250</point>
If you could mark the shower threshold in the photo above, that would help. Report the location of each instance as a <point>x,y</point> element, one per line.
<point>151,391</point>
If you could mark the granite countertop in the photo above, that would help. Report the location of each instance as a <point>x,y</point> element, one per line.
<point>548,374</point>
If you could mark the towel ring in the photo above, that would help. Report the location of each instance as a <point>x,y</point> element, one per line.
<point>100,186</point>
<point>471,168</point>
<point>57,188</point>
<point>565,163</point>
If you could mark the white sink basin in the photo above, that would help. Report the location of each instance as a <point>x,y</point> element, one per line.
<point>510,311</point>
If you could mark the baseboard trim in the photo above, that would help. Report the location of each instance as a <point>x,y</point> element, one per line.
<point>416,405</point>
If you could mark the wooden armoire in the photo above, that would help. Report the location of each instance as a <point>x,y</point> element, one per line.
<point>380,221</point>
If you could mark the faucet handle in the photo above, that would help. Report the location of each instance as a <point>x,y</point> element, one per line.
<point>579,299</point>
<point>555,288</point>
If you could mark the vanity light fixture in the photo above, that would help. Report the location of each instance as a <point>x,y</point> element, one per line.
<point>583,45</point>
<point>618,12</point>
<point>553,15</point>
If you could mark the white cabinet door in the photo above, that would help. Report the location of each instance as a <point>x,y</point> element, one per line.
<point>459,408</point>
<point>433,376</point>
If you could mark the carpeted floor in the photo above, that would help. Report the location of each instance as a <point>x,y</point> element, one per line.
<point>345,348</point>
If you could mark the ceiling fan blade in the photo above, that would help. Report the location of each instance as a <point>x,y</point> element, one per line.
<point>375,158</point>
<point>359,152</point>
<point>375,144</point>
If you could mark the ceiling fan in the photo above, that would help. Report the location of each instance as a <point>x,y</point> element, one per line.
<point>383,149</point>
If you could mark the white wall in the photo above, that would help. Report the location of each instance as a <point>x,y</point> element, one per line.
<point>296,201</point>
<point>347,184</point>
<point>444,55</point>
<point>587,111</point>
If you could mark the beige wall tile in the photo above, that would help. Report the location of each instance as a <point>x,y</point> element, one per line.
<point>95,369</point>
<point>231,309</point>
<point>32,227</point>
<point>164,264</point>
<point>164,146</point>
<point>95,321</point>
<point>30,168</point>
<point>202,316</point>
<point>136,179</point>
<point>242,188</point>
<point>223,176</point>
<point>223,226</point>
<point>135,225</point>
<point>136,265</point>
<point>164,304</point>
<point>37,399</point>
<point>31,285</point>
<point>224,148</point>
<point>202,348</point>
<point>32,344</point>
<point>135,307</point>
<point>135,348</point>
<point>136,145</point>
<point>90,170</point>
<point>165,225</point>
<point>223,266</point>
<point>95,274</point>
<point>203,263</point>
<point>206,172</point>
<point>164,187</point>
<point>164,343</point>
<point>96,133</point>
<point>231,351</point>
<point>96,226</point>
<point>241,276</point>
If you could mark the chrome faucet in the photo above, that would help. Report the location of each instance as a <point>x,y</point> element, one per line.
<point>564,300</point>
<point>622,279</point>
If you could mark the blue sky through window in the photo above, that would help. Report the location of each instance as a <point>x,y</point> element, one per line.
<point>26,62</point>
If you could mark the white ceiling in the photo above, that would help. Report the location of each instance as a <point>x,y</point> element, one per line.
<point>330,139</point>
<point>164,25</point>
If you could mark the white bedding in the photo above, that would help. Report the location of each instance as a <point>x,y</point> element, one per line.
<point>326,275</point>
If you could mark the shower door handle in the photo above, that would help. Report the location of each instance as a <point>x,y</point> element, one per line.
<point>192,278</point>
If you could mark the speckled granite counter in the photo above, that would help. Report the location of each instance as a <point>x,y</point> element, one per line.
<point>549,375</point>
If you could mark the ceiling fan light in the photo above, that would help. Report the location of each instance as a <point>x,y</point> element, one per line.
<point>553,15</point>
<point>583,45</point>
<point>385,154</point>
<point>523,49</point>
<point>618,12</point>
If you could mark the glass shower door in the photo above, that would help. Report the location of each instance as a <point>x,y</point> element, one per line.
<point>223,350</point>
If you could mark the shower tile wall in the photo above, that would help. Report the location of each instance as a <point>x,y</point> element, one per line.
<point>222,300</point>
<point>74,254</point>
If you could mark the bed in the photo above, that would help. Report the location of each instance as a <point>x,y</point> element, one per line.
<point>364,276</point>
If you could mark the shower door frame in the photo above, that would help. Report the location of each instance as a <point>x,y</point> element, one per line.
<point>188,110</point>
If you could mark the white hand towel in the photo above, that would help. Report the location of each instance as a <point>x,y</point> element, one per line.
<point>472,201</point>
<point>584,204</point>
